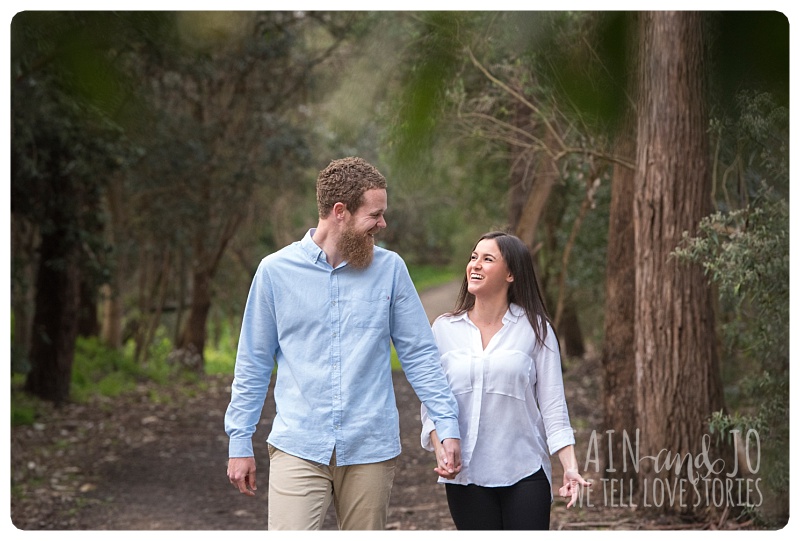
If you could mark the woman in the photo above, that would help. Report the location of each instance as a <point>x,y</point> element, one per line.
<point>501,358</point>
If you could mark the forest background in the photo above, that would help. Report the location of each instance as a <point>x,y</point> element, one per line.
<point>643,157</point>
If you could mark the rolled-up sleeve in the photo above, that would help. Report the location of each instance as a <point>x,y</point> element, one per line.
<point>550,395</point>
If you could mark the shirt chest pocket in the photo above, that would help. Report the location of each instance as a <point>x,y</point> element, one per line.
<point>508,373</point>
<point>370,308</point>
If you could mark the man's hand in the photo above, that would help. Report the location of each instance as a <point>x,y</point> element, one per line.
<point>242,474</point>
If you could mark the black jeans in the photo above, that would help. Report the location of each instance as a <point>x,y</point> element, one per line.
<point>525,505</point>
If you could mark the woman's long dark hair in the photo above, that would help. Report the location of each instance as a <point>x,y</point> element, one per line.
<point>523,291</point>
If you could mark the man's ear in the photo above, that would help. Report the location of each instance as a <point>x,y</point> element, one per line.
<point>339,210</point>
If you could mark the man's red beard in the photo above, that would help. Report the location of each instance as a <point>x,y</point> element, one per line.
<point>356,248</point>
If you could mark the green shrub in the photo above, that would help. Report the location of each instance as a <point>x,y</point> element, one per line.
<point>98,369</point>
<point>219,360</point>
<point>22,414</point>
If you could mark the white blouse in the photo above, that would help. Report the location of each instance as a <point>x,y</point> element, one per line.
<point>512,410</point>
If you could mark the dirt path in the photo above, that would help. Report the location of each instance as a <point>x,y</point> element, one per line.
<point>440,299</point>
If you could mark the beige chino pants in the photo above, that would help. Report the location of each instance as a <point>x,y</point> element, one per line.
<point>300,492</point>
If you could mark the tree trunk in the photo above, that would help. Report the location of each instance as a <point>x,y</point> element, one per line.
<point>55,322</point>
<point>532,179</point>
<point>570,331</point>
<point>189,351</point>
<point>193,338</point>
<point>182,279</point>
<point>678,380</point>
<point>111,326</point>
<point>618,357</point>
<point>533,176</point>
<point>157,304</point>
<point>24,261</point>
<point>111,293</point>
<point>146,292</point>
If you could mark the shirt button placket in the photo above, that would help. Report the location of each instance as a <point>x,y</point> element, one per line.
<point>476,375</point>
<point>336,366</point>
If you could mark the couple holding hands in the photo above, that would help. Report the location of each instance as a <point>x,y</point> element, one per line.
<point>327,309</point>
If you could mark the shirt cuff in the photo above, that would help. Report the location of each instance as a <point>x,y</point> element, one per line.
<point>240,448</point>
<point>447,429</point>
<point>560,439</point>
<point>425,437</point>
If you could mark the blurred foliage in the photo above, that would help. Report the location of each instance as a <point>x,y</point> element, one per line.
<point>745,253</point>
<point>432,63</point>
<point>66,100</point>
<point>68,105</point>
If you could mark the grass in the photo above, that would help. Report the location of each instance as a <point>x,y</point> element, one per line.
<point>98,370</point>
<point>427,276</point>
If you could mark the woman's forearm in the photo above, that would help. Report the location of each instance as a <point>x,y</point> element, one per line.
<point>567,457</point>
<point>435,441</point>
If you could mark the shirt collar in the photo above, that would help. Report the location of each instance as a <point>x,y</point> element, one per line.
<point>310,247</point>
<point>512,315</point>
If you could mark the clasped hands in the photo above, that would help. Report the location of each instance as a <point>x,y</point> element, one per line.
<point>448,456</point>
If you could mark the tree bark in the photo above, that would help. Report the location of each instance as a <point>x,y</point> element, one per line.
<point>618,356</point>
<point>533,176</point>
<point>24,262</point>
<point>146,293</point>
<point>193,338</point>
<point>55,323</point>
<point>112,310</point>
<point>677,373</point>
<point>111,293</point>
<point>570,331</point>
<point>157,304</point>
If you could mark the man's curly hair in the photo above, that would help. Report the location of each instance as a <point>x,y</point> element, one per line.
<point>346,180</point>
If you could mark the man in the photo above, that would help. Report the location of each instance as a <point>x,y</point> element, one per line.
<point>325,309</point>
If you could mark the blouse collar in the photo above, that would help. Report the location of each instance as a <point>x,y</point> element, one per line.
<point>512,315</point>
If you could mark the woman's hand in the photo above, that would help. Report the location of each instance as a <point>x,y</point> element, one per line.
<point>444,466</point>
<point>572,486</point>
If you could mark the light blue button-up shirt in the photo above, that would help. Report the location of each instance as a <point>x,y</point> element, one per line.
<point>330,330</point>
